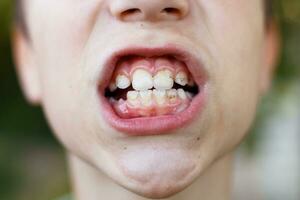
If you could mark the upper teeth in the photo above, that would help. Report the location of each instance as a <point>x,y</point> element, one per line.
<point>181,78</point>
<point>122,81</point>
<point>163,80</point>
<point>142,80</point>
<point>112,86</point>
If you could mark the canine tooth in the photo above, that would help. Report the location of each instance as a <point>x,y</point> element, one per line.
<point>160,96</point>
<point>112,87</point>
<point>146,97</point>
<point>122,81</point>
<point>142,80</point>
<point>163,80</point>
<point>181,78</point>
<point>172,95</point>
<point>181,94</point>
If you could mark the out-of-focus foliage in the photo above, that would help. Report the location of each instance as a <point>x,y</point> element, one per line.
<point>31,162</point>
<point>31,166</point>
<point>287,15</point>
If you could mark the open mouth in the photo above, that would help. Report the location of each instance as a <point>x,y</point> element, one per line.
<point>152,91</point>
<point>150,86</point>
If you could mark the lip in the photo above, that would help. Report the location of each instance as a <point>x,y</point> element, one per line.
<point>160,124</point>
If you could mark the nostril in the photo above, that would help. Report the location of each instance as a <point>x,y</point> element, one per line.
<point>129,13</point>
<point>172,11</point>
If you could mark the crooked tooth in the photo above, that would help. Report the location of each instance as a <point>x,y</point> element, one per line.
<point>163,80</point>
<point>112,87</point>
<point>181,78</point>
<point>146,97</point>
<point>172,95</point>
<point>181,94</point>
<point>122,81</point>
<point>160,96</point>
<point>142,80</point>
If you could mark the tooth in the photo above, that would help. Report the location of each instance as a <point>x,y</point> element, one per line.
<point>142,80</point>
<point>132,97</point>
<point>160,96</point>
<point>172,95</point>
<point>112,87</point>
<point>163,80</point>
<point>146,97</point>
<point>181,94</point>
<point>122,81</point>
<point>181,78</point>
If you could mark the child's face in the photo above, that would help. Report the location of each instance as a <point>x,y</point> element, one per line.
<point>157,142</point>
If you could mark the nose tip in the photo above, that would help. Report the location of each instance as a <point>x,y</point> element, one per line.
<point>149,10</point>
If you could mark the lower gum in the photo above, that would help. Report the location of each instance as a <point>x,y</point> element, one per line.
<point>123,109</point>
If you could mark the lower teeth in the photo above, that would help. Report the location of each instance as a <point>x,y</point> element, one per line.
<point>152,103</point>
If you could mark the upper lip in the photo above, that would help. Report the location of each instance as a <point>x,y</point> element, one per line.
<point>154,125</point>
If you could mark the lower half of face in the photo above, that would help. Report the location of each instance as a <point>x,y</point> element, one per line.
<point>150,101</point>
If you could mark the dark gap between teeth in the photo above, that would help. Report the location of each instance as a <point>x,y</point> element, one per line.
<point>122,93</point>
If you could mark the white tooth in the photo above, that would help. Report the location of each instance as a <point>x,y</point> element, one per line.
<point>132,95</point>
<point>160,96</point>
<point>132,98</point>
<point>146,97</point>
<point>163,80</point>
<point>112,87</point>
<point>172,95</point>
<point>181,94</point>
<point>181,78</point>
<point>142,80</point>
<point>122,81</point>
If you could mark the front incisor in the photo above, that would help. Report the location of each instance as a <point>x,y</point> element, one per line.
<point>142,80</point>
<point>163,80</point>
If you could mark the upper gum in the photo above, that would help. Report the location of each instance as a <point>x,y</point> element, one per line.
<point>153,66</point>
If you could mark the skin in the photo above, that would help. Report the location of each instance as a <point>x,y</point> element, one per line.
<point>62,62</point>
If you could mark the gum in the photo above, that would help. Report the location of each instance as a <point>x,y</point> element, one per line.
<point>152,65</point>
<point>126,110</point>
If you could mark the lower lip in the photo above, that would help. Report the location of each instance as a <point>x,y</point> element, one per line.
<point>158,125</point>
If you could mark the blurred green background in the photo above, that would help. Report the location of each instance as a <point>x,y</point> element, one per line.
<point>32,165</point>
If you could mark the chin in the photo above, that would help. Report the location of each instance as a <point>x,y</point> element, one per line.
<point>157,172</point>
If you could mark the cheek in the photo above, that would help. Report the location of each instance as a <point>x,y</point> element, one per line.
<point>61,28</point>
<point>237,51</point>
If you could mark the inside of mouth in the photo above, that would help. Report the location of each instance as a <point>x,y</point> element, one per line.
<point>150,86</point>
